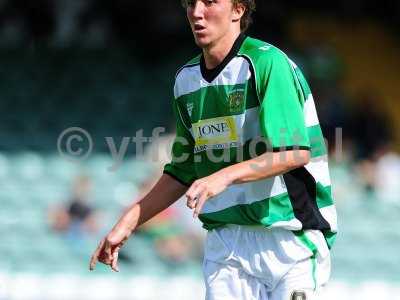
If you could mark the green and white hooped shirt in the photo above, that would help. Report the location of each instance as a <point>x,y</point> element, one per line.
<point>256,100</point>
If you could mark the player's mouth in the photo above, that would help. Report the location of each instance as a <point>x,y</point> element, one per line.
<point>199,28</point>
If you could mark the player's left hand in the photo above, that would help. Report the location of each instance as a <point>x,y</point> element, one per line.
<point>205,188</point>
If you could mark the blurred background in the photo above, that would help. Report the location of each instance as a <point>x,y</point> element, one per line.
<point>108,67</point>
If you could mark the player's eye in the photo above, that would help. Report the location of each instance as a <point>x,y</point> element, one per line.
<point>189,3</point>
<point>192,3</point>
<point>210,2</point>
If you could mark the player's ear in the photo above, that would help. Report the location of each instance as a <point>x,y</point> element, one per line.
<point>238,11</point>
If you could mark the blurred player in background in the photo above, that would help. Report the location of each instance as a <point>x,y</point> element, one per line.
<point>77,217</point>
<point>250,157</point>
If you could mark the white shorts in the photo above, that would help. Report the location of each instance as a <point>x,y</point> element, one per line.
<point>252,262</point>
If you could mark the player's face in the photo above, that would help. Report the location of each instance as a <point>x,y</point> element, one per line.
<point>211,19</point>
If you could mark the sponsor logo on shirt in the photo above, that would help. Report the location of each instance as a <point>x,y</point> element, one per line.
<point>215,133</point>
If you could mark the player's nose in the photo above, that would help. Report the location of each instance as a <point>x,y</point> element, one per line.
<point>197,11</point>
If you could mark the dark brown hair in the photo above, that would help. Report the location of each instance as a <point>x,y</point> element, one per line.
<point>246,20</point>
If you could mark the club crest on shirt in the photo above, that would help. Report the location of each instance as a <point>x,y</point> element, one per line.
<point>236,101</point>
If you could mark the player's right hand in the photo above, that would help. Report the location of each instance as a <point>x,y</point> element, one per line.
<point>107,253</point>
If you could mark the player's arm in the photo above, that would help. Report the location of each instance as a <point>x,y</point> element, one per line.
<point>264,166</point>
<point>165,192</point>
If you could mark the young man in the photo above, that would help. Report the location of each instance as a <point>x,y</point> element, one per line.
<point>250,157</point>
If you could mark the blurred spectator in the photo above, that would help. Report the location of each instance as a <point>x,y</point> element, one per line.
<point>370,132</point>
<point>365,170</point>
<point>332,114</point>
<point>77,216</point>
<point>387,175</point>
<point>370,128</point>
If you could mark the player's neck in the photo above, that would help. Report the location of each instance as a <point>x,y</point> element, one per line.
<point>215,53</point>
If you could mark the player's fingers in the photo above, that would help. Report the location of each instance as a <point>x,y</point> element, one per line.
<point>108,251</point>
<point>189,192</point>
<point>105,259</point>
<point>200,190</point>
<point>199,204</point>
<point>114,263</point>
<point>93,261</point>
<point>95,256</point>
<point>194,195</point>
<point>193,191</point>
<point>191,203</point>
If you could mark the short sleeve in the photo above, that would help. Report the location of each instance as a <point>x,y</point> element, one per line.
<point>281,112</point>
<point>181,166</point>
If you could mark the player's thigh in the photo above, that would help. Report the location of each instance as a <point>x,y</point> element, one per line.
<point>226,282</point>
<point>298,284</point>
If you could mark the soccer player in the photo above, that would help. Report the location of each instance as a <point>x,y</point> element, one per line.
<point>250,157</point>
